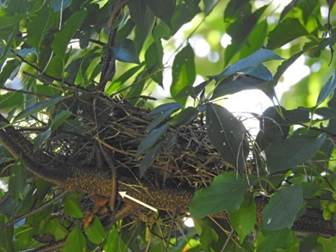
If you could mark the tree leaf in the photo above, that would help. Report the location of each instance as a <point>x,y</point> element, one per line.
<point>280,240</point>
<point>37,107</point>
<point>7,70</point>
<point>327,90</point>
<point>152,138</point>
<point>95,232</point>
<point>125,51</point>
<point>185,117</point>
<point>235,84</point>
<point>183,74</point>
<point>72,205</point>
<point>153,59</point>
<point>163,9</point>
<point>114,242</point>
<point>282,35</point>
<point>227,134</point>
<point>226,192</point>
<point>165,107</point>
<point>244,219</point>
<point>255,59</point>
<point>75,241</point>
<point>60,5</point>
<point>63,37</point>
<point>17,181</point>
<point>287,154</point>
<point>283,207</point>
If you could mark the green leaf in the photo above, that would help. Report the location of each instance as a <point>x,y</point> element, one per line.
<point>226,192</point>
<point>153,59</point>
<point>114,242</point>
<point>165,107</point>
<point>236,84</point>
<point>283,207</point>
<point>75,241</point>
<point>287,154</point>
<point>161,118</point>
<point>37,107</point>
<point>63,37</point>
<point>163,9</point>
<point>7,70</point>
<point>327,90</point>
<point>56,229</point>
<point>59,119</point>
<point>120,81</point>
<point>282,240</point>
<point>208,5</point>
<point>185,117</point>
<point>125,51</point>
<point>95,232</point>
<point>183,74</point>
<point>11,100</point>
<point>244,219</point>
<point>282,35</point>
<point>227,134</point>
<point>72,205</point>
<point>17,181</point>
<point>152,138</point>
<point>184,12</point>
<point>255,59</point>
<point>149,158</point>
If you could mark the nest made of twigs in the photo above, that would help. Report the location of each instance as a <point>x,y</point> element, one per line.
<point>103,127</point>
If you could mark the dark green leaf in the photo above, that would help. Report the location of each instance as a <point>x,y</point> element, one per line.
<point>56,229</point>
<point>165,107</point>
<point>72,205</point>
<point>287,8</point>
<point>208,5</point>
<point>327,90</point>
<point>287,154</point>
<point>185,117</point>
<point>152,138</point>
<point>153,59</point>
<point>149,158</point>
<point>161,118</point>
<point>282,35</point>
<point>283,207</point>
<point>114,242</point>
<point>120,81</point>
<point>242,82</point>
<point>63,37</point>
<point>227,134</point>
<point>184,12</point>
<point>11,100</point>
<point>244,219</point>
<point>183,73</point>
<point>125,51</point>
<point>282,240</point>
<point>95,232</point>
<point>163,9</point>
<point>226,192</point>
<point>7,71</point>
<point>37,107</point>
<point>17,181</point>
<point>75,241</point>
<point>255,59</point>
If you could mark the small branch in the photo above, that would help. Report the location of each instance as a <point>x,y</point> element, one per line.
<point>51,247</point>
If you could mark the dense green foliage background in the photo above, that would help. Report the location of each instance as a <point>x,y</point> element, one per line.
<point>53,50</point>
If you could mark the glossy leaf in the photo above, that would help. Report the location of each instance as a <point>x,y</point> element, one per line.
<point>255,59</point>
<point>183,73</point>
<point>282,35</point>
<point>287,154</point>
<point>185,117</point>
<point>210,200</point>
<point>283,207</point>
<point>227,134</point>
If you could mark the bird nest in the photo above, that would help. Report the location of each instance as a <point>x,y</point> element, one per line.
<point>104,134</point>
